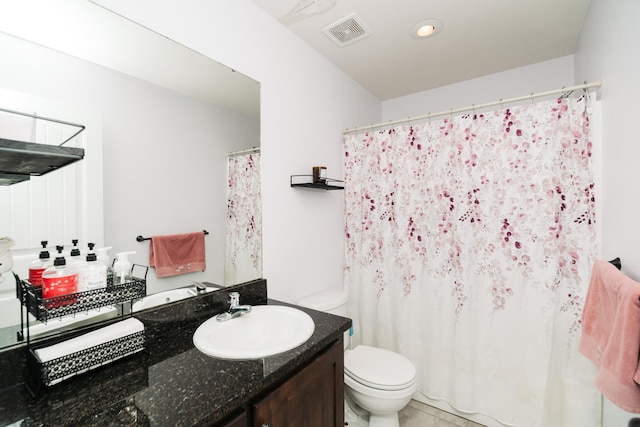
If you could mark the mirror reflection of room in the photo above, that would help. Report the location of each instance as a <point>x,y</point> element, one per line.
<point>159,146</point>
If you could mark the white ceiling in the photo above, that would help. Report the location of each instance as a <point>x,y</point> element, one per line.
<point>478,38</point>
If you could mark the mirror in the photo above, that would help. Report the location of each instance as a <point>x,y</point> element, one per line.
<point>161,121</point>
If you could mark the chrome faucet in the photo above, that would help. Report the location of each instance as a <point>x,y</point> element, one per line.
<point>235,309</point>
<point>201,288</point>
<point>198,288</point>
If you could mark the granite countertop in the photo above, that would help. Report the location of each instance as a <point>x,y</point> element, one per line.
<point>171,382</point>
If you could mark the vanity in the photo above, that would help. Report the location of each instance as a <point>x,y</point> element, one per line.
<point>173,383</point>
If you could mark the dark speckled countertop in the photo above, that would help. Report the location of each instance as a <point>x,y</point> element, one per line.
<point>171,383</point>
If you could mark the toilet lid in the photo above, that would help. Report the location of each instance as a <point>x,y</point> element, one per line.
<point>379,368</point>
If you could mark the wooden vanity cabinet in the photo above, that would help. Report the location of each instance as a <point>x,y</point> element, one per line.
<point>237,420</point>
<point>313,397</point>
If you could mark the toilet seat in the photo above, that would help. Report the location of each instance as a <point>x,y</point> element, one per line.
<point>355,386</point>
<point>378,368</point>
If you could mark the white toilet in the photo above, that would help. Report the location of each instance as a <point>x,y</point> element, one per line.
<point>378,381</point>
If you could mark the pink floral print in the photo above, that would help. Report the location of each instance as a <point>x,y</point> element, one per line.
<point>244,220</point>
<point>500,200</point>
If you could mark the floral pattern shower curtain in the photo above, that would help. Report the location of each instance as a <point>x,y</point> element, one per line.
<point>244,220</point>
<point>469,246</point>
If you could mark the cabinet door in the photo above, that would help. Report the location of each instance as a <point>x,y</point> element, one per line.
<point>314,397</point>
<point>239,420</point>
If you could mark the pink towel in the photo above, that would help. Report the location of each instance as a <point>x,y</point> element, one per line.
<point>611,334</point>
<point>177,254</point>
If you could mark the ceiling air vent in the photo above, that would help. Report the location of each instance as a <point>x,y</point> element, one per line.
<point>347,30</point>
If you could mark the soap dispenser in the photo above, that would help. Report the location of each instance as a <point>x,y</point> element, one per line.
<point>92,274</point>
<point>103,258</point>
<point>37,267</point>
<point>75,258</point>
<point>122,267</point>
<point>60,279</point>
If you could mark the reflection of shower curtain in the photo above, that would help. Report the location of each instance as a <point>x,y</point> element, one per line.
<point>469,244</point>
<point>244,220</point>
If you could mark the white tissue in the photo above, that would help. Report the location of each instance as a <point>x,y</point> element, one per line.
<point>90,339</point>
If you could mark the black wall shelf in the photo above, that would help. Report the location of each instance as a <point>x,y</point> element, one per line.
<point>306,181</point>
<point>19,160</point>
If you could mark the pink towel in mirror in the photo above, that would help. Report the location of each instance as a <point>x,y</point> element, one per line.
<point>176,254</point>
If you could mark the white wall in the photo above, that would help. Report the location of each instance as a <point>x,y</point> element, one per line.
<point>540,77</point>
<point>306,102</point>
<point>164,153</point>
<point>608,50</point>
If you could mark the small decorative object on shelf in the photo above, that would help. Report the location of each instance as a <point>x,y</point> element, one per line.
<point>319,175</point>
<point>308,181</point>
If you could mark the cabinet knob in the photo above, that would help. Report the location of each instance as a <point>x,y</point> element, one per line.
<point>267,425</point>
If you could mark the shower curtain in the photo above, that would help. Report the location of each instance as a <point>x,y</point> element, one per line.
<point>244,220</point>
<point>469,246</point>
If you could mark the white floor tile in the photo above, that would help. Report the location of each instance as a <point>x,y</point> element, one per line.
<point>417,414</point>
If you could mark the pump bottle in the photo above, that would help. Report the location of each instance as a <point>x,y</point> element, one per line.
<point>37,267</point>
<point>104,259</point>
<point>75,258</point>
<point>60,279</point>
<point>92,274</point>
<point>121,268</point>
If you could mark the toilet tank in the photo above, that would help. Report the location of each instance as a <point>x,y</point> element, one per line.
<point>332,301</point>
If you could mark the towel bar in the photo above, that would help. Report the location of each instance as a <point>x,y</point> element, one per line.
<point>617,263</point>
<point>142,239</point>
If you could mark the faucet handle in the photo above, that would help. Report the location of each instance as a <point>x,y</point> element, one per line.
<point>234,299</point>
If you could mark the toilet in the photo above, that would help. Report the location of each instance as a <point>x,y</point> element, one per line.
<point>378,383</point>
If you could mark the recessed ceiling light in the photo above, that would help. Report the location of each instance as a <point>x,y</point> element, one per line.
<point>426,28</point>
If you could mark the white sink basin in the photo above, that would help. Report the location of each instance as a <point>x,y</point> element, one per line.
<point>264,331</point>
<point>160,298</point>
<point>165,297</point>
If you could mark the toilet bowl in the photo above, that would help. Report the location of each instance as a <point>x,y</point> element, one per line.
<point>376,380</point>
<point>380,382</point>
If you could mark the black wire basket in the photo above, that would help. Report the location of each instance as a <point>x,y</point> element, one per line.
<point>56,370</point>
<point>44,309</point>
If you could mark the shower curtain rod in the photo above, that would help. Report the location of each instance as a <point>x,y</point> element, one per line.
<point>570,89</point>
<point>241,152</point>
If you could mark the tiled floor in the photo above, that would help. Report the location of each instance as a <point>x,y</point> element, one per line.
<point>417,414</point>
